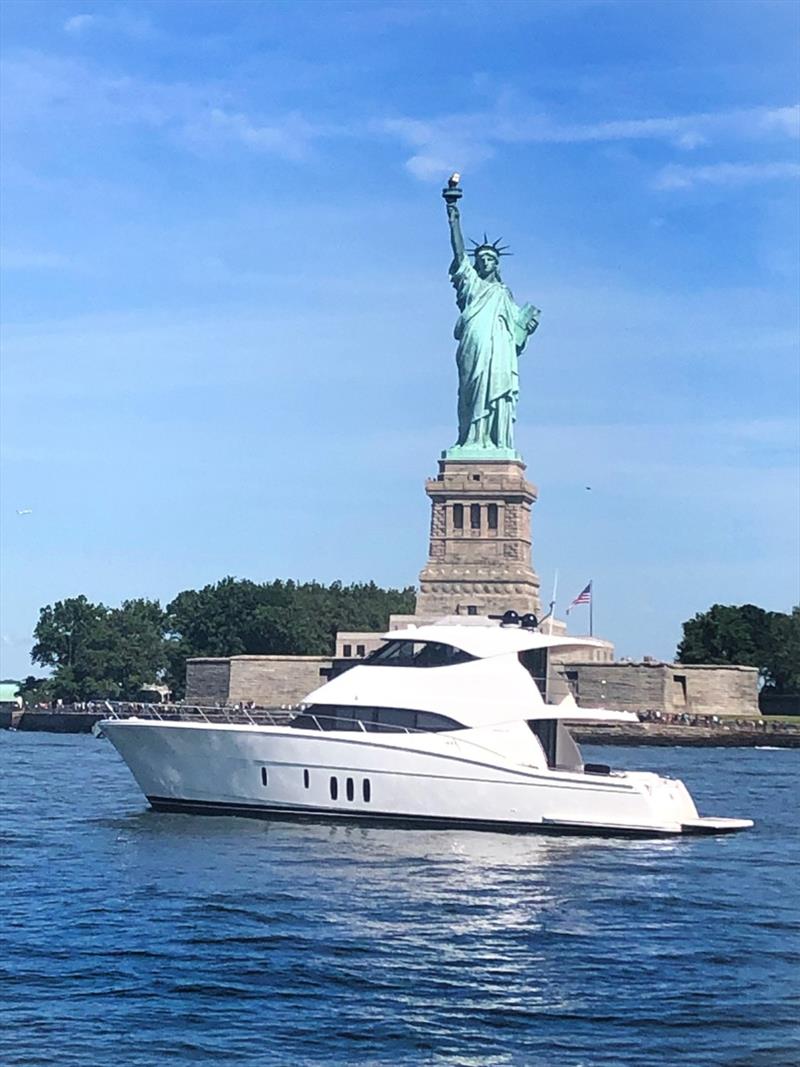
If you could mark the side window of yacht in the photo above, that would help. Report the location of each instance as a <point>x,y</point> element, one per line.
<point>393,720</point>
<point>393,654</point>
<point>546,730</point>
<point>371,719</point>
<point>304,721</point>
<point>434,654</point>
<point>534,660</point>
<point>433,723</point>
<point>333,717</point>
<point>418,654</point>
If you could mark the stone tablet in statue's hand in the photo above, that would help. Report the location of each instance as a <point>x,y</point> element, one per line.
<point>531,316</point>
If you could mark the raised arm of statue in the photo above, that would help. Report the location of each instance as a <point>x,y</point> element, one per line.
<point>452,194</point>
<point>456,236</point>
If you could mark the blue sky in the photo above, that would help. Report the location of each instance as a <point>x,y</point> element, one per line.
<point>228,324</point>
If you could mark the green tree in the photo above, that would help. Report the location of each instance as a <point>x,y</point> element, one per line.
<point>239,617</point>
<point>115,652</point>
<point>138,653</point>
<point>99,651</point>
<point>749,635</point>
<point>784,671</point>
<point>36,690</point>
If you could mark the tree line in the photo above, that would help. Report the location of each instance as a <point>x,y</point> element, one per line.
<point>95,651</point>
<point>750,636</point>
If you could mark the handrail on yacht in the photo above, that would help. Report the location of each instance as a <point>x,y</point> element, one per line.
<point>187,712</point>
<point>281,717</point>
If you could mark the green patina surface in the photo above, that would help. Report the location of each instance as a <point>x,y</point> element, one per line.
<point>492,331</point>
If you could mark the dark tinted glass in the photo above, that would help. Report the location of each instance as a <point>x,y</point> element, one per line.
<point>433,723</point>
<point>334,788</point>
<point>418,654</point>
<point>374,720</point>
<point>547,732</point>
<point>304,721</point>
<point>534,660</point>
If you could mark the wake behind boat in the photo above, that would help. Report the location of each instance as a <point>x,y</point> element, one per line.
<point>449,724</point>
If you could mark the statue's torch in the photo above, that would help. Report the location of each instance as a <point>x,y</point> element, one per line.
<point>452,191</point>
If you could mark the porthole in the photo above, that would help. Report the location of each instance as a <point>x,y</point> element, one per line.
<point>334,788</point>
<point>306,779</point>
<point>351,790</point>
<point>264,778</point>
<point>366,790</point>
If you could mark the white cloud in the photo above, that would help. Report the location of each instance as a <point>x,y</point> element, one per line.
<point>290,136</point>
<point>39,88</point>
<point>726,174</point>
<point>465,139</point>
<point>205,116</point>
<point>114,20</point>
<point>78,23</point>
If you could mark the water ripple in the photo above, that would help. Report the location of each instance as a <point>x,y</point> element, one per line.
<point>132,938</point>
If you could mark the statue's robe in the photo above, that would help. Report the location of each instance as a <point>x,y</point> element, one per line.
<point>491,332</point>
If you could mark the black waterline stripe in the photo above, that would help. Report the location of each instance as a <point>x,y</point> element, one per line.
<point>266,811</point>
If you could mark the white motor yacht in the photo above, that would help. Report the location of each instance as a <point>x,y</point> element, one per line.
<point>444,725</point>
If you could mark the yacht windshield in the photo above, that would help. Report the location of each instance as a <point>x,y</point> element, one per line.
<point>417,654</point>
<point>374,720</point>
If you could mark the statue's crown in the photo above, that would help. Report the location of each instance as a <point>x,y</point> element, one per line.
<point>490,246</point>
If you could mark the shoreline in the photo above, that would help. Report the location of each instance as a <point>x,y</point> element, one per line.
<point>759,733</point>
<point>771,735</point>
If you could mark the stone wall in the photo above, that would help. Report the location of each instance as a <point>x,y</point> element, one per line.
<point>268,681</point>
<point>670,688</point>
<point>274,680</point>
<point>717,690</point>
<point>208,680</point>
<point>603,652</point>
<point>357,644</point>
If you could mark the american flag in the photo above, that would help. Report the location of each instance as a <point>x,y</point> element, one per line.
<point>584,597</point>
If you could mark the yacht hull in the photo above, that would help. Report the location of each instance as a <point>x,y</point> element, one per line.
<point>433,780</point>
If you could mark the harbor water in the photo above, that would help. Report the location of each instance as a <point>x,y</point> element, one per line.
<point>136,938</point>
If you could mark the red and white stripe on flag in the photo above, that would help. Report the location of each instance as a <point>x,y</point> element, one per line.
<point>584,597</point>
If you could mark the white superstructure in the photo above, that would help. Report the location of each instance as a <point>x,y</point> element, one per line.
<point>444,725</point>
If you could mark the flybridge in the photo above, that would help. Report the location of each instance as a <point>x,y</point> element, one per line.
<point>489,639</point>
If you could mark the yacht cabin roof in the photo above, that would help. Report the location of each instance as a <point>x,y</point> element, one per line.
<point>492,689</point>
<point>484,641</point>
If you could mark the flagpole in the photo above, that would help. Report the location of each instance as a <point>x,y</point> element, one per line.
<point>553,603</point>
<point>591,608</point>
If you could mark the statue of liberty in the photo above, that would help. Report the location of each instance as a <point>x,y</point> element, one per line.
<point>491,332</point>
